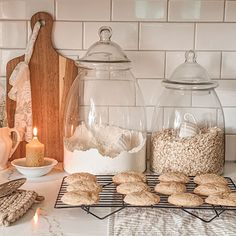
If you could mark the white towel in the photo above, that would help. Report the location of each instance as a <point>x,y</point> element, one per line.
<point>170,222</point>
<point>21,90</point>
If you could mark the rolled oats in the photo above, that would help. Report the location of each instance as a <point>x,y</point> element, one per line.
<point>202,153</point>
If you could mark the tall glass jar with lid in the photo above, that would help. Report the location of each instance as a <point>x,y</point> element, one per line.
<point>104,126</point>
<point>188,123</point>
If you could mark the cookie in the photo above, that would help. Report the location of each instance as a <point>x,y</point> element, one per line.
<point>223,199</point>
<point>185,200</point>
<point>211,188</point>
<point>169,188</point>
<point>142,199</point>
<point>209,178</point>
<point>133,187</point>
<point>84,185</point>
<point>128,177</point>
<point>174,177</point>
<point>80,177</point>
<point>80,198</point>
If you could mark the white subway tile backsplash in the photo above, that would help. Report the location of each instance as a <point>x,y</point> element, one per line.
<point>147,64</point>
<point>155,35</point>
<point>136,10</point>
<point>166,36</point>
<point>98,116</point>
<point>227,92</point>
<point>151,90</point>
<point>149,115</point>
<point>128,117</point>
<point>24,9</point>
<point>230,11</point>
<point>108,93</point>
<point>85,10</point>
<point>173,59</point>
<point>7,55</point>
<point>230,150</point>
<point>12,34</point>
<point>230,124</point>
<point>72,54</point>
<point>197,10</point>
<point>228,65</point>
<point>216,36</point>
<point>211,61</point>
<point>67,35</point>
<point>123,33</point>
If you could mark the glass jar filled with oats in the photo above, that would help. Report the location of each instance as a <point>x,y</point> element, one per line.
<point>188,123</point>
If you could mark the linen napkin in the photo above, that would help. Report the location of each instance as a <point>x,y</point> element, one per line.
<point>21,90</point>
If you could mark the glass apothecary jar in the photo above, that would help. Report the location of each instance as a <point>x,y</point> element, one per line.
<point>104,127</point>
<point>188,123</point>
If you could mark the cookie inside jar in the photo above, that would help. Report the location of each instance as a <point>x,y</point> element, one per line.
<point>188,132</point>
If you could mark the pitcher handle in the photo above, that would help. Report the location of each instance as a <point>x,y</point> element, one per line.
<point>18,138</point>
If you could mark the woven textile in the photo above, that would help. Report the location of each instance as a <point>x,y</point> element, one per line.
<point>14,206</point>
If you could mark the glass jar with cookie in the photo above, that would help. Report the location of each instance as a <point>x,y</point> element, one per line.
<point>188,131</point>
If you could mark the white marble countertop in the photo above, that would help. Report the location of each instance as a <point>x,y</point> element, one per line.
<point>59,222</point>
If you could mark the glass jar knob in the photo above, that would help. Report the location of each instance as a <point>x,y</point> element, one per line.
<point>105,33</point>
<point>190,56</point>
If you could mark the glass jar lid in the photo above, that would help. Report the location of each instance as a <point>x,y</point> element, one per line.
<point>105,50</point>
<point>190,75</point>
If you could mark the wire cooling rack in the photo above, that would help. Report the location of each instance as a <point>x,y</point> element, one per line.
<point>109,198</point>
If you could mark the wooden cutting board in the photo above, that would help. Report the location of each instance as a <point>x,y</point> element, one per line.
<point>51,76</point>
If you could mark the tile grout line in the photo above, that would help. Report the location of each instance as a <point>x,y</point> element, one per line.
<point>194,36</point>
<point>83,35</point>
<point>111,12</point>
<point>167,10</point>
<point>165,63</point>
<point>139,36</point>
<point>224,9</point>
<point>221,64</point>
<point>54,10</point>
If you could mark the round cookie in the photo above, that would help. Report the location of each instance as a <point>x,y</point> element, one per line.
<point>174,177</point>
<point>169,188</point>
<point>84,185</point>
<point>80,198</point>
<point>133,187</point>
<point>142,199</point>
<point>128,177</point>
<point>211,188</point>
<point>223,199</point>
<point>80,177</point>
<point>185,200</point>
<point>209,178</point>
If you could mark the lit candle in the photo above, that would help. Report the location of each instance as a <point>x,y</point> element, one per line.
<point>34,151</point>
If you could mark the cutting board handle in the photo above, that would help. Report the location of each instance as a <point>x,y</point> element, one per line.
<point>46,29</point>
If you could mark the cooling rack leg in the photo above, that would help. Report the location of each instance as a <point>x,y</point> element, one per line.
<point>87,209</point>
<point>217,214</point>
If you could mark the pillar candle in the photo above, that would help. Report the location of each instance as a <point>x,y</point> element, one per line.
<point>34,152</point>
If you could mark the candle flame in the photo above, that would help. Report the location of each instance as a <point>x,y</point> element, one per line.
<point>35,131</point>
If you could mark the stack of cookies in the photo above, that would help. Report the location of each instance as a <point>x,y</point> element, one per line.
<point>133,186</point>
<point>215,189</point>
<point>82,189</point>
<point>174,184</point>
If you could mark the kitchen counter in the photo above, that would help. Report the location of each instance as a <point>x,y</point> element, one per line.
<point>43,220</point>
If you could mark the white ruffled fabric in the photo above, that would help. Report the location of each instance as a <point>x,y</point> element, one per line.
<point>21,90</point>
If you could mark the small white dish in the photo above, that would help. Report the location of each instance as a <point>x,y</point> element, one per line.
<point>33,172</point>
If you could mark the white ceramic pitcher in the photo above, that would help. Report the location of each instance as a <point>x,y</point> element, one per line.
<point>6,142</point>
